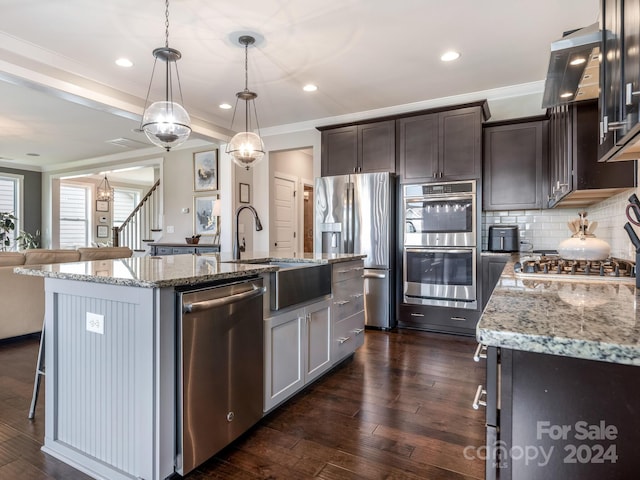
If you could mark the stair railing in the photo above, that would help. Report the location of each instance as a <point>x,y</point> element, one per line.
<point>139,226</point>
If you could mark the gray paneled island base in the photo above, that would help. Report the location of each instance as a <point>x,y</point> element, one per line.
<point>111,357</point>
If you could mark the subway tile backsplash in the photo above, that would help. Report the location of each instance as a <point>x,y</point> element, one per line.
<point>545,229</point>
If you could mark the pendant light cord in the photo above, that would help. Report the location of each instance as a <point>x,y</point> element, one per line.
<point>166,23</point>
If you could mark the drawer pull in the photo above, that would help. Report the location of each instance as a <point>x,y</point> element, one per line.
<point>357,295</point>
<point>459,319</point>
<point>477,403</point>
<point>341,302</point>
<point>358,269</point>
<point>341,340</point>
<point>358,331</point>
<point>481,352</point>
<point>417,314</point>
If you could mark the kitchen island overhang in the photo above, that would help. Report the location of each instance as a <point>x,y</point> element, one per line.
<point>110,407</point>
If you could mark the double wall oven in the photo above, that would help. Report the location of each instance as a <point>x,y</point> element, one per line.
<point>440,244</point>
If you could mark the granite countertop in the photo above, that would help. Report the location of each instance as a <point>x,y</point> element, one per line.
<point>592,319</point>
<point>171,270</point>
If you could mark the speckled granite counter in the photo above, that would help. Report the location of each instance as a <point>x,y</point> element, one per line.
<point>171,270</point>
<point>588,319</point>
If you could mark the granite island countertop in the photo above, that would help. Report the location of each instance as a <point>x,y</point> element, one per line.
<point>172,270</point>
<point>590,318</point>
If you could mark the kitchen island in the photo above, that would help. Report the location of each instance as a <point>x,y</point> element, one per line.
<point>562,377</point>
<point>111,352</point>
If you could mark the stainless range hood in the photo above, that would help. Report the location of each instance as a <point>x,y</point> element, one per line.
<point>573,67</point>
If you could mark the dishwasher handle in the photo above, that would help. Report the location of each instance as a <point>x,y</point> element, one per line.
<point>219,302</point>
<point>374,275</point>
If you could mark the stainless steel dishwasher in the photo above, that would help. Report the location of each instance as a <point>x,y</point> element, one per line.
<point>220,371</point>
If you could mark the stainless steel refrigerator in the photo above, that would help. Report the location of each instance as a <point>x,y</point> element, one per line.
<point>356,214</point>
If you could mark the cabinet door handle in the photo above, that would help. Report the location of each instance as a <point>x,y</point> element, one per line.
<point>341,340</point>
<point>630,93</point>
<point>617,125</point>
<point>477,403</point>
<point>358,331</point>
<point>481,352</point>
<point>341,302</point>
<point>357,295</point>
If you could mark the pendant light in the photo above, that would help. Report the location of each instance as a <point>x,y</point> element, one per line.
<point>246,148</point>
<point>105,191</point>
<point>166,123</point>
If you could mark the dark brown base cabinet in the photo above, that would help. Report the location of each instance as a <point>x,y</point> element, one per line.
<point>556,417</point>
<point>514,164</point>
<point>492,267</point>
<point>458,321</point>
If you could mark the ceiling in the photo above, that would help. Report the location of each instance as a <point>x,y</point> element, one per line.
<point>63,97</point>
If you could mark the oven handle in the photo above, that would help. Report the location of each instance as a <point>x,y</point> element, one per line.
<point>439,250</point>
<point>431,198</point>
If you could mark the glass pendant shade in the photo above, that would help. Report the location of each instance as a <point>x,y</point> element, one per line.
<point>246,149</point>
<point>166,124</point>
<point>105,191</point>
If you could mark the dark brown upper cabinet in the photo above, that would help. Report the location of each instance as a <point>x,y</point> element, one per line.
<point>445,145</point>
<point>576,178</point>
<point>514,164</point>
<point>364,148</point>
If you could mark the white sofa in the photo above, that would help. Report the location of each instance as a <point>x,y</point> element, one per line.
<point>22,296</point>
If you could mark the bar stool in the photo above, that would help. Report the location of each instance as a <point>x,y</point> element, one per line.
<point>38,376</point>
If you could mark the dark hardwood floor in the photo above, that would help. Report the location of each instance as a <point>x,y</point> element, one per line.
<point>399,409</point>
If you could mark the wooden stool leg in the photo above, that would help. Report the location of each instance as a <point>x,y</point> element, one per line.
<point>38,376</point>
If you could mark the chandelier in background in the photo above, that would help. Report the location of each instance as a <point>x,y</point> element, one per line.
<point>105,191</point>
<point>166,123</point>
<point>246,148</point>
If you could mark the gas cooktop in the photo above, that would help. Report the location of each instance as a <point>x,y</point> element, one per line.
<point>554,265</point>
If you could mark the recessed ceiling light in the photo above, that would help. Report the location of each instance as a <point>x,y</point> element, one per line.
<point>450,56</point>
<point>124,62</point>
<point>566,95</point>
<point>225,106</point>
<point>310,87</point>
<point>578,61</point>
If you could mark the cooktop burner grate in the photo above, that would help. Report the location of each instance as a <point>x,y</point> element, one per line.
<point>611,267</point>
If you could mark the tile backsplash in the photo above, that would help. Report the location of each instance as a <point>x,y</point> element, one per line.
<point>545,229</point>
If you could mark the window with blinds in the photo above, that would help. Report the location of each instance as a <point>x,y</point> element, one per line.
<point>74,218</point>
<point>10,201</point>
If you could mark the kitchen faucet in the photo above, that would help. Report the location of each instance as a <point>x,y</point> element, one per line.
<point>236,245</point>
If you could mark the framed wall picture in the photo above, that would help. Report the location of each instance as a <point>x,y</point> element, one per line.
<point>245,193</point>
<point>102,206</point>
<point>205,170</point>
<point>205,215</point>
<point>103,231</point>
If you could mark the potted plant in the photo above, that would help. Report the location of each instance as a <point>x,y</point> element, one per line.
<point>7,225</point>
<point>28,240</point>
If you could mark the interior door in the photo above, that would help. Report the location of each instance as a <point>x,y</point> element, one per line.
<point>283,237</point>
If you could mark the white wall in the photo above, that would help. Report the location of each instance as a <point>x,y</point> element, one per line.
<point>261,181</point>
